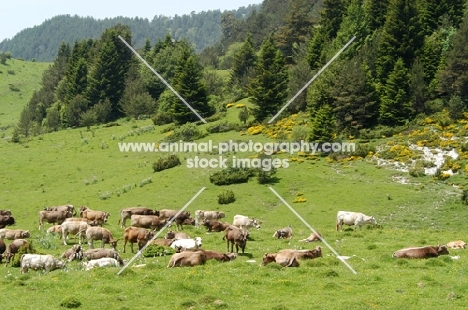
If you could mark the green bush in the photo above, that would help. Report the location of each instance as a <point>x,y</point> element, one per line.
<point>231,175</point>
<point>70,302</point>
<point>25,249</point>
<point>226,197</point>
<point>464,197</point>
<point>166,163</point>
<point>154,250</point>
<point>187,132</point>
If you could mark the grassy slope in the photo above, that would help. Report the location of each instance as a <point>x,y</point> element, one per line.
<point>55,169</point>
<point>26,77</point>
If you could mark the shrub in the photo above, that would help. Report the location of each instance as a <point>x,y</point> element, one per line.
<point>231,175</point>
<point>154,250</point>
<point>70,302</point>
<point>226,197</point>
<point>166,163</point>
<point>187,132</point>
<point>25,249</point>
<point>221,127</point>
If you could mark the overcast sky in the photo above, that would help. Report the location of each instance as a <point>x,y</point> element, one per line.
<point>16,15</point>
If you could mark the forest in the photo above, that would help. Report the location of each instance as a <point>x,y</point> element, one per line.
<point>409,60</point>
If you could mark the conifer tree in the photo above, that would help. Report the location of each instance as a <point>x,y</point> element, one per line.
<point>396,108</point>
<point>268,90</point>
<point>322,128</point>
<point>375,12</point>
<point>402,37</point>
<point>244,61</point>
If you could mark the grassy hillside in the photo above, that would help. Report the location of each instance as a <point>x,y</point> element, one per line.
<point>18,80</point>
<point>86,168</point>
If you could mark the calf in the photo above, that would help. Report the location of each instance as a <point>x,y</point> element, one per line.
<point>100,233</point>
<point>286,258</point>
<point>421,252</point>
<point>313,237</point>
<point>75,252</point>
<point>136,235</point>
<point>13,248</point>
<point>456,245</point>
<point>306,254</point>
<point>36,262</point>
<point>12,234</point>
<point>216,226</point>
<point>101,262</point>
<point>283,233</point>
<point>353,218</point>
<point>100,253</point>
<point>187,259</point>
<point>186,244</point>
<point>176,235</point>
<point>235,236</point>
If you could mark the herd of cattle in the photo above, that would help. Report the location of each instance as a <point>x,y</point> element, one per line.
<point>144,224</point>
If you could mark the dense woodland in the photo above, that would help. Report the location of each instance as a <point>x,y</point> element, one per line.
<point>409,59</point>
<point>41,42</point>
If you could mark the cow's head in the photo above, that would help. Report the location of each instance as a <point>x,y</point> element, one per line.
<point>254,223</point>
<point>198,241</point>
<point>170,235</point>
<point>25,234</point>
<point>372,220</point>
<point>267,258</point>
<point>113,243</point>
<point>442,250</point>
<point>154,212</point>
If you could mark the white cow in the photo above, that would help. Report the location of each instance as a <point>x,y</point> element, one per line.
<point>36,262</point>
<point>187,244</point>
<point>202,215</point>
<point>101,262</point>
<point>245,222</point>
<point>353,218</point>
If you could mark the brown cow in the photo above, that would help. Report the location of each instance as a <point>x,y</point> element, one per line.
<point>53,217</point>
<point>103,234</point>
<point>202,215</point>
<point>306,254</point>
<point>313,237</point>
<point>235,236</point>
<point>100,253</point>
<point>69,208</point>
<point>216,226</point>
<point>169,215</point>
<point>6,220</point>
<point>136,235</point>
<point>13,248</point>
<point>187,259</point>
<point>98,217</point>
<point>75,252</point>
<point>221,257</point>
<point>176,235</point>
<point>148,221</point>
<point>163,242</point>
<point>283,233</point>
<point>128,212</point>
<point>2,249</point>
<point>190,222</point>
<point>5,212</point>
<point>74,227</point>
<point>81,219</point>
<point>286,258</point>
<point>459,244</point>
<point>421,252</point>
<point>12,234</point>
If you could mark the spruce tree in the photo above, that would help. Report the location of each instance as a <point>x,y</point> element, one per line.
<point>244,61</point>
<point>375,12</point>
<point>402,37</point>
<point>396,108</point>
<point>322,128</point>
<point>268,90</point>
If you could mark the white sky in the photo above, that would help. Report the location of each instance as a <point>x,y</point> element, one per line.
<point>17,15</point>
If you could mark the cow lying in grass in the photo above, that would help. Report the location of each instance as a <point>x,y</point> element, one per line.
<point>421,252</point>
<point>290,258</point>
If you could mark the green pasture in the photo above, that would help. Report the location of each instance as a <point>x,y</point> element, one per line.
<point>84,167</point>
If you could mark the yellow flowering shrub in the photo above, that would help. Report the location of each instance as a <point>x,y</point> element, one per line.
<point>229,105</point>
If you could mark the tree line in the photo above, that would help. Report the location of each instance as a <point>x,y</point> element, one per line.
<point>409,59</point>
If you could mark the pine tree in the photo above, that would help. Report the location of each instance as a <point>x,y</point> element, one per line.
<point>453,79</point>
<point>402,37</point>
<point>188,82</point>
<point>322,128</point>
<point>375,12</point>
<point>268,90</point>
<point>244,61</point>
<point>396,108</point>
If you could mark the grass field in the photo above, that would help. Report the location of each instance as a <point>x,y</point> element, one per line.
<point>86,168</point>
